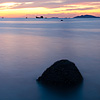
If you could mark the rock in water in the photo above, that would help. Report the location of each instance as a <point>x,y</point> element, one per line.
<point>62,73</point>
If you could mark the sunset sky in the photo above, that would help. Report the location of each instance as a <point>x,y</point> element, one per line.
<point>48,8</point>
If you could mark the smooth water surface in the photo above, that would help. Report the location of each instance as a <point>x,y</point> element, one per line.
<point>29,46</point>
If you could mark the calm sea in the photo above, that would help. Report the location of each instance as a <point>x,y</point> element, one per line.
<point>29,46</point>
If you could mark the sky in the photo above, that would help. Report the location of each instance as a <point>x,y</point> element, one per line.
<point>48,8</point>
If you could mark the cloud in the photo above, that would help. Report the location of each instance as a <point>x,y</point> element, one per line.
<point>50,7</point>
<point>9,5</point>
<point>90,8</point>
<point>51,4</point>
<point>48,4</point>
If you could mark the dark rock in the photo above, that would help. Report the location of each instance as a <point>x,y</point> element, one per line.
<point>61,20</point>
<point>62,73</point>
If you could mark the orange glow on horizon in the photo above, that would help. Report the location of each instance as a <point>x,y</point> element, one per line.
<point>14,9</point>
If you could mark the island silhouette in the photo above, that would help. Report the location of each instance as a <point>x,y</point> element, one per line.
<point>86,16</point>
<point>81,16</point>
<point>39,17</point>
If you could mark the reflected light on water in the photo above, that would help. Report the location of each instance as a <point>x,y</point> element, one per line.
<point>26,50</point>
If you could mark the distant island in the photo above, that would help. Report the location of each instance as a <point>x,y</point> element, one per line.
<point>86,16</point>
<point>39,17</point>
<point>55,17</point>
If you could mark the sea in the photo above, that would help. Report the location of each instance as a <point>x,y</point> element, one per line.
<point>29,46</point>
